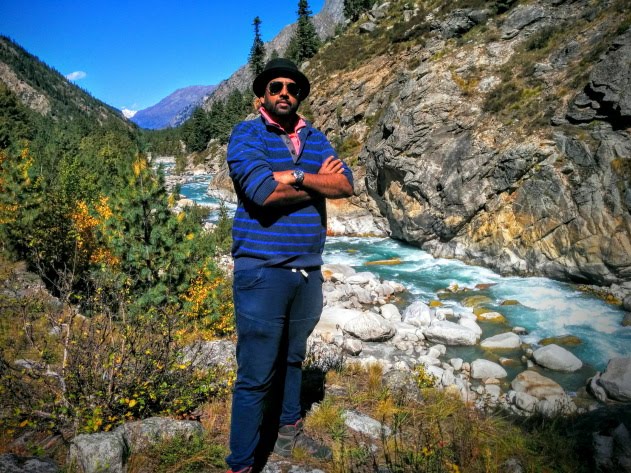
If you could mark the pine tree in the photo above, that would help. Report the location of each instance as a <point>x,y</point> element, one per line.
<point>257,53</point>
<point>305,41</point>
<point>354,8</point>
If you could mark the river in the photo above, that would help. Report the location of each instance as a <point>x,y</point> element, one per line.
<point>545,307</point>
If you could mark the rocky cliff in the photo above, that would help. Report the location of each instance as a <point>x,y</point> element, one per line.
<point>496,137</point>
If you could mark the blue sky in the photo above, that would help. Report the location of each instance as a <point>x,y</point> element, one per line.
<point>133,53</point>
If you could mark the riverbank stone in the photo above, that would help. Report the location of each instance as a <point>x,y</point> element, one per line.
<point>502,341</point>
<point>483,369</point>
<point>556,358</point>
<point>418,313</point>
<point>616,379</point>
<point>450,333</point>
<point>566,340</point>
<point>369,327</point>
<point>537,385</point>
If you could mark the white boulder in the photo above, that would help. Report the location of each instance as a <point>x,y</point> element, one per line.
<point>557,358</point>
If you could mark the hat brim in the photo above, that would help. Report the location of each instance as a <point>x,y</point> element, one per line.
<point>261,81</point>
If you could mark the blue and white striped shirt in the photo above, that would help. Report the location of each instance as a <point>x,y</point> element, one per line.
<point>289,236</point>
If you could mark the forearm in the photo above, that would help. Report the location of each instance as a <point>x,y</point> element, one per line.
<point>285,194</point>
<point>331,186</point>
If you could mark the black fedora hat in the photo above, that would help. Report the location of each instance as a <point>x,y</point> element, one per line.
<point>281,67</point>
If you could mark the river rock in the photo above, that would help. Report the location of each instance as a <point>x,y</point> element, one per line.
<point>391,312</point>
<point>95,453</point>
<point>531,382</point>
<point>502,341</point>
<point>369,327</point>
<point>337,272</point>
<point>556,358</point>
<point>471,325</point>
<point>418,313</point>
<point>491,317</point>
<point>450,333</point>
<point>616,379</point>
<point>556,405</point>
<point>567,340</point>
<point>407,332</point>
<point>332,320</point>
<point>482,369</point>
<point>525,401</point>
<point>626,320</point>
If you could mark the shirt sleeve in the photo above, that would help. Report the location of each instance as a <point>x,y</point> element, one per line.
<point>347,171</point>
<point>249,170</point>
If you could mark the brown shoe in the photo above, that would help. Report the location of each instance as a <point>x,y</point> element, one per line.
<point>292,436</point>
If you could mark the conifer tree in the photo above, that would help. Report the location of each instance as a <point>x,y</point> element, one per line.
<point>354,8</point>
<point>305,41</point>
<point>257,53</point>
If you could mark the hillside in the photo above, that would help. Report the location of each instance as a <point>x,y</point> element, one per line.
<point>174,109</point>
<point>46,91</point>
<point>496,136</point>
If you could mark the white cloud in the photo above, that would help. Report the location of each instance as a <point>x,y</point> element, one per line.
<point>77,75</point>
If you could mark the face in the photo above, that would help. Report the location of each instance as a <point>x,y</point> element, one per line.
<point>280,104</point>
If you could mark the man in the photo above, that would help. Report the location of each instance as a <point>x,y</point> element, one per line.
<point>283,169</point>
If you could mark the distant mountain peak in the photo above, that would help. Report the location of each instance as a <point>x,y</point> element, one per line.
<point>128,113</point>
<point>173,109</point>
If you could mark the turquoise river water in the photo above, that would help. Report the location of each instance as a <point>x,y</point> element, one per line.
<point>546,307</point>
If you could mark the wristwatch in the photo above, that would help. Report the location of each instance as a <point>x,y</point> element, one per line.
<point>299,175</point>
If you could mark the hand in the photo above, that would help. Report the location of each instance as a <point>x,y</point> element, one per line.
<point>331,165</point>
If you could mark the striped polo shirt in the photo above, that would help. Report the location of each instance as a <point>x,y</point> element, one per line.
<point>287,236</point>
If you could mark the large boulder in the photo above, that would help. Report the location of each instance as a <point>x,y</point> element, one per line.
<point>536,385</point>
<point>418,313</point>
<point>450,333</point>
<point>369,327</point>
<point>140,435</point>
<point>502,341</point>
<point>616,379</point>
<point>96,453</point>
<point>557,358</point>
<point>332,320</point>
<point>484,369</point>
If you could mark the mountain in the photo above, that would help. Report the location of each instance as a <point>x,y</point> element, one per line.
<point>174,109</point>
<point>45,90</point>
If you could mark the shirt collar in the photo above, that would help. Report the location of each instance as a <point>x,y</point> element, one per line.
<point>301,123</point>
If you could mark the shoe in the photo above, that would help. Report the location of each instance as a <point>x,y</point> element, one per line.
<point>292,436</point>
<point>247,469</point>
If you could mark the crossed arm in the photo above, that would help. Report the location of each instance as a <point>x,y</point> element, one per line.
<point>329,182</point>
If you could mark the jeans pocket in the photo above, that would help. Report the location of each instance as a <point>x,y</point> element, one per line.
<point>247,278</point>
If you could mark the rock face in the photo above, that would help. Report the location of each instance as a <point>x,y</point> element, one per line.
<point>457,180</point>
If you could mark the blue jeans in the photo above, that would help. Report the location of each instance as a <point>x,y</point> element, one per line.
<point>276,310</point>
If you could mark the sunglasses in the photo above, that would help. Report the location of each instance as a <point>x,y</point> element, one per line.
<point>276,87</point>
